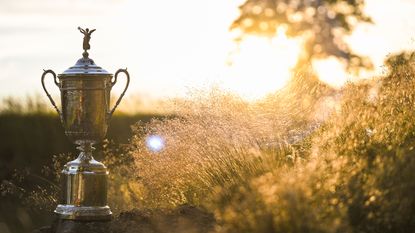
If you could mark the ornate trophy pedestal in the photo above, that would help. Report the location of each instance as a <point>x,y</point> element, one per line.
<point>84,183</point>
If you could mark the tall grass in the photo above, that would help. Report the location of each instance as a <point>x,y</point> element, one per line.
<point>307,159</point>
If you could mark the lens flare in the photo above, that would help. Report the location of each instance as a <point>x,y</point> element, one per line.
<point>155,143</point>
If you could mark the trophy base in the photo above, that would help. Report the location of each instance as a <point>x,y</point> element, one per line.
<point>86,213</point>
<point>84,188</point>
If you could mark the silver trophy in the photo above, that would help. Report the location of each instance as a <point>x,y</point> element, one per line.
<point>85,99</point>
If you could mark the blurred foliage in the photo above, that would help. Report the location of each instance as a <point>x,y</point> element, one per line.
<point>322,24</point>
<point>31,133</point>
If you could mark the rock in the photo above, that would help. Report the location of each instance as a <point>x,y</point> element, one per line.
<point>47,229</point>
<point>184,219</point>
<point>70,226</point>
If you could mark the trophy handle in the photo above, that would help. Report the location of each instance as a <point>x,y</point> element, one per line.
<point>45,72</point>
<point>127,75</point>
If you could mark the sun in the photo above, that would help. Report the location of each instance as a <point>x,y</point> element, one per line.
<point>260,66</point>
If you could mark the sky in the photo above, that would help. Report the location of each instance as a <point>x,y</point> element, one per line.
<point>171,47</point>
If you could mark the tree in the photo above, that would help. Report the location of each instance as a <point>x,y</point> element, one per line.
<point>405,60</point>
<point>322,23</point>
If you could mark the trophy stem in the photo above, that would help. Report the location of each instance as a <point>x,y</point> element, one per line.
<point>86,149</point>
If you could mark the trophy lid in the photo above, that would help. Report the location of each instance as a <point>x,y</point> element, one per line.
<point>85,65</point>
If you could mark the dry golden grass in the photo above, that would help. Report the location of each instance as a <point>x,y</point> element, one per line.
<point>307,159</point>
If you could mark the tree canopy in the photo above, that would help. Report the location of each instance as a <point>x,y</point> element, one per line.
<point>322,23</point>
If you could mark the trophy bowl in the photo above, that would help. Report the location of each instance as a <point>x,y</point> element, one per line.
<point>85,98</point>
<point>85,109</point>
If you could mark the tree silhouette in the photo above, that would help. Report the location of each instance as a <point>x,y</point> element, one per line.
<point>322,23</point>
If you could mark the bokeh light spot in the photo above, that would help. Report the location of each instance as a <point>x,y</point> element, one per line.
<point>155,143</point>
